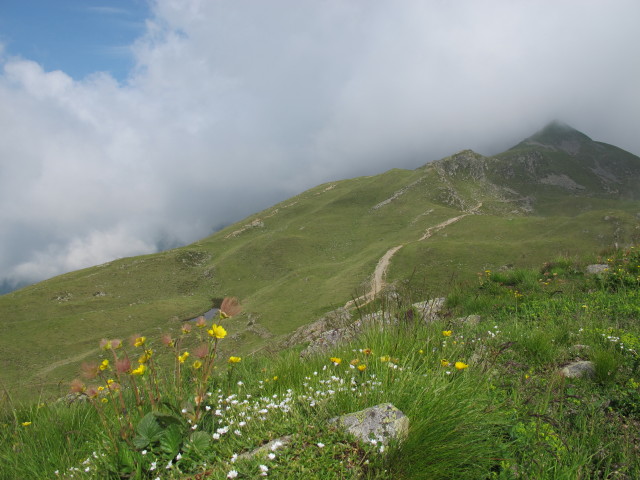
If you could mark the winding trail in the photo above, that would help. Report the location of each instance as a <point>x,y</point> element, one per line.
<point>377,279</point>
<point>60,363</point>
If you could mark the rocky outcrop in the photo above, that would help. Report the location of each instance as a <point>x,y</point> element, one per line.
<point>322,339</point>
<point>335,319</point>
<point>429,310</point>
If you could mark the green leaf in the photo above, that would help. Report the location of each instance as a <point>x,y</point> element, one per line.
<point>198,442</point>
<point>166,419</point>
<point>148,430</point>
<point>140,442</point>
<point>126,461</point>
<point>171,440</point>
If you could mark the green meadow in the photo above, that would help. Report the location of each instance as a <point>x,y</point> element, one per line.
<point>485,397</point>
<point>506,239</point>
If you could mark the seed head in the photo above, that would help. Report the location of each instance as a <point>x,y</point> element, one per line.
<point>230,307</point>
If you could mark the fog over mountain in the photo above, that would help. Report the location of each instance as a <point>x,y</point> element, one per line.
<point>233,106</point>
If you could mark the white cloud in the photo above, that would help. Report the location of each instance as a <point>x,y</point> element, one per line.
<point>234,105</point>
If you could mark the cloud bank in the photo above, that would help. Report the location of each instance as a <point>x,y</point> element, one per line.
<point>233,106</point>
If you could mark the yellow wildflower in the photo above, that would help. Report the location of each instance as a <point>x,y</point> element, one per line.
<point>104,400</point>
<point>182,358</point>
<point>367,351</point>
<point>362,367</point>
<point>421,352</point>
<point>336,360</point>
<point>138,342</point>
<point>144,358</point>
<point>461,365</point>
<point>444,362</point>
<point>275,378</point>
<point>104,365</point>
<point>26,424</point>
<point>235,359</point>
<point>355,361</point>
<point>447,333</point>
<point>385,358</point>
<point>100,388</point>
<point>197,364</point>
<point>217,331</point>
<point>140,370</point>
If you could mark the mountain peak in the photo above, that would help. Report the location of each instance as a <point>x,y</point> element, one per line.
<point>557,132</point>
<point>558,135</point>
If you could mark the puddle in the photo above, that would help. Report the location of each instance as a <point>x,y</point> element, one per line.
<point>209,314</point>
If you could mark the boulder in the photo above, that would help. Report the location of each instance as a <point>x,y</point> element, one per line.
<point>579,369</point>
<point>380,423</point>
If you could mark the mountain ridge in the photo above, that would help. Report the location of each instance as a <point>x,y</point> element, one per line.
<point>312,253</point>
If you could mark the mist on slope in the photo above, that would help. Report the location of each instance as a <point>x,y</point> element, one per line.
<point>233,106</point>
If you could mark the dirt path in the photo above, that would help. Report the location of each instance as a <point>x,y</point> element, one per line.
<point>60,363</point>
<point>377,280</point>
<point>431,230</point>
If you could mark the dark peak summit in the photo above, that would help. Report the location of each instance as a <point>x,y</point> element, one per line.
<point>557,136</point>
<point>557,132</point>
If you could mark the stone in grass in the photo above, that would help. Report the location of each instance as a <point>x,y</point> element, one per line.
<point>597,268</point>
<point>472,320</point>
<point>381,423</point>
<point>264,450</point>
<point>579,369</point>
<point>429,311</point>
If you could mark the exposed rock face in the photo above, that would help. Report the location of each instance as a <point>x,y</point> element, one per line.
<point>561,180</point>
<point>579,370</point>
<point>381,423</point>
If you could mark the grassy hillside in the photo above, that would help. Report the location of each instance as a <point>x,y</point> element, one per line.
<point>557,192</point>
<point>485,396</point>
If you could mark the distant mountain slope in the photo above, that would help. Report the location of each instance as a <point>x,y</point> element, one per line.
<point>556,192</point>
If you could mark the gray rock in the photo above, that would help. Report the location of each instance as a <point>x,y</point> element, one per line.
<point>264,450</point>
<point>579,369</point>
<point>470,320</point>
<point>333,320</point>
<point>430,309</point>
<point>597,268</point>
<point>72,398</point>
<point>381,423</point>
<point>322,336</point>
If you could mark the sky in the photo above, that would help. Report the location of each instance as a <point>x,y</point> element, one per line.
<point>127,127</point>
